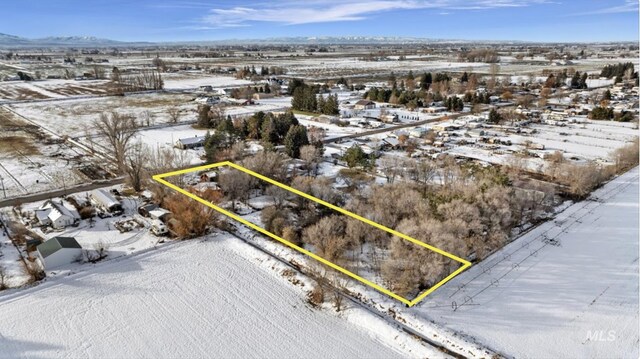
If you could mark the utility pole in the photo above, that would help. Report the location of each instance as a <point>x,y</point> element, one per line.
<point>4,192</point>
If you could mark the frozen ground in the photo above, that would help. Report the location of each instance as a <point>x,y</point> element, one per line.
<point>205,298</point>
<point>568,288</point>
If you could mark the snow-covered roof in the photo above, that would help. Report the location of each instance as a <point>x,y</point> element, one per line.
<point>158,212</point>
<point>192,140</point>
<point>392,141</point>
<point>104,198</point>
<point>57,210</point>
<point>43,214</point>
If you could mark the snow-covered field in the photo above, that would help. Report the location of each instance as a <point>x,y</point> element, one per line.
<point>51,89</point>
<point>187,81</point>
<point>29,162</point>
<point>75,117</point>
<point>568,288</point>
<point>211,298</point>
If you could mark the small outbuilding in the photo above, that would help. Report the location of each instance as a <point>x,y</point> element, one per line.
<point>106,201</point>
<point>59,251</point>
<point>365,105</point>
<point>190,142</point>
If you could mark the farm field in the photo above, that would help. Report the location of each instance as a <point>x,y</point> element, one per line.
<point>52,89</point>
<point>213,288</point>
<point>55,116</point>
<point>32,160</point>
<point>570,286</point>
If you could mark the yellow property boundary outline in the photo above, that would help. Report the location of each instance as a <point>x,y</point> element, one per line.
<point>465,264</point>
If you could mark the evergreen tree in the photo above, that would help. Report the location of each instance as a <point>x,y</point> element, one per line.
<point>331,105</point>
<point>203,116</point>
<point>294,84</point>
<point>212,145</point>
<point>321,103</point>
<point>254,125</point>
<point>354,156</point>
<point>268,131</point>
<point>575,80</point>
<point>601,113</point>
<point>297,101</point>
<point>226,127</point>
<point>392,80</point>
<point>494,116</point>
<point>583,80</point>
<point>410,76</point>
<point>464,78</point>
<point>295,138</point>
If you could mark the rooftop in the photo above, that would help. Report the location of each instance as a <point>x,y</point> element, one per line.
<point>53,245</point>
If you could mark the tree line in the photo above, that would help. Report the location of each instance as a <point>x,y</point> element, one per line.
<point>269,128</point>
<point>305,98</point>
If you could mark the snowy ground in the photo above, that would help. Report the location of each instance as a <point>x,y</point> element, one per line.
<point>51,89</point>
<point>30,162</point>
<point>568,288</point>
<point>213,298</point>
<point>54,116</point>
<point>191,81</point>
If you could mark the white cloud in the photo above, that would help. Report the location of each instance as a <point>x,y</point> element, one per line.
<point>316,11</point>
<point>626,6</point>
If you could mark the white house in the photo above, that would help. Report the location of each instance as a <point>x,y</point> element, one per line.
<point>57,215</point>
<point>58,251</point>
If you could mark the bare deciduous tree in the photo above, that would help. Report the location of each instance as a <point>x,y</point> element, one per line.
<point>174,114</point>
<point>136,163</point>
<point>311,155</point>
<point>236,185</point>
<point>327,237</point>
<point>391,167</point>
<point>269,164</point>
<point>3,278</point>
<point>98,72</point>
<point>119,130</point>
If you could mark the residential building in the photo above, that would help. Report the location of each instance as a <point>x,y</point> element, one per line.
<point>58,251</point>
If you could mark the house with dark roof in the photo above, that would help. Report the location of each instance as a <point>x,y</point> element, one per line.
<point>365,105</point>
<point>59,251</point>
<point>190,142</point>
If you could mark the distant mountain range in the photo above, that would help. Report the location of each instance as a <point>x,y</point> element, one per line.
<point>8,41</point>
<point>90,41</point>
<point>61,41</point>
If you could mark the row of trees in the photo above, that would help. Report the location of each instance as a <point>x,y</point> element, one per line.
<point>579,81</point>
<point>607,113</point>
<point>479,55</point>
<point>251,72</point>
<point>619,71</point>
<point>305,98</point>
<point>271,129</point>
<point>454,103</point>
<point>472,213</point>
<point>129,82</point>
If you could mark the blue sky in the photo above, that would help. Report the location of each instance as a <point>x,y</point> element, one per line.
<point>195,20</point>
